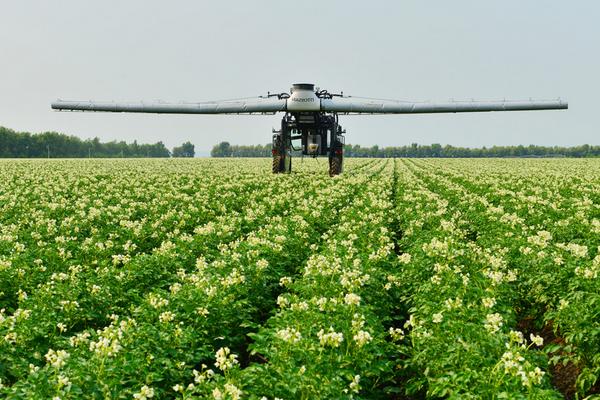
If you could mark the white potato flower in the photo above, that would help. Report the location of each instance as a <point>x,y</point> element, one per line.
<point>56,358</point>
<point>144,393</point>
<point>488,302</point>
<point>537,340</point>
<point>224,359</point>
<point>352,299</point>
<point>331,338</point>
<point>362,337</point>
<point>355,384</point>
<point>396,333</point>
<point>493,322</point>
<point>290,335</point>
<point>166,316</point>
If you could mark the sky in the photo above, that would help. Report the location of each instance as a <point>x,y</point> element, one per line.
<point>212,50</point>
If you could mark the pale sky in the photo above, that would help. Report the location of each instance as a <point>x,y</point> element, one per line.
<point>201,50</point>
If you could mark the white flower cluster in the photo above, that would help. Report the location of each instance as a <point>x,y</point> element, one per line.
<point>290,335</point>
<point>352,299</point>
<point>285,281</point>
<point>144,393</point>
<point>362,337</point>
<point>541,239</point>
<point>95,289</point>
<point>63,382</point>
<point>452,304</point>
<point>331,338</point>
<point>262,264</point>
<point>590,272</point>
<point>105,346</point>
<point>537,340</point>
<point>353,278</point>
<point>229,391</point>
<point>355,384</point>
<point>79,338</point>
<point>282,301</point>
<point>516,337</point>
<point>515,365</point>
<point>396,334</point>
<point>234,278</point>
<point>498,277</point>
<point>57,358</point>
<point>358,321</point>
<point>108,342</point>
<point>224,359</point>
<point>299,306</point>
<point>579,251</point>
<point>201,377</point>
<point>120,259</point>
<point>435,247</point>
<point>404,258</point>
<point>166,317</point>
<point>157,301</point>
<point>493,322</point>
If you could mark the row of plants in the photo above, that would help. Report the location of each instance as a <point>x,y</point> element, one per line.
<point>334,332</point>
<point>546,228</point>
<point>463,336</point>
<point>76,295</point>
<point>166,311</point>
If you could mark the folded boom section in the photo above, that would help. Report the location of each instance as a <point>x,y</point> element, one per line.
<point>352,105</point>
<point>258,105</point>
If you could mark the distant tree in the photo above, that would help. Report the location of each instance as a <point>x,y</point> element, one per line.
<point>185,150</point>
<point>53,144</point>
<point>222,149</point>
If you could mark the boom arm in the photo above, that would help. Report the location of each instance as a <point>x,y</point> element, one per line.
<point>352,105</point>
<point>259,105</point>
<point>304,99</point>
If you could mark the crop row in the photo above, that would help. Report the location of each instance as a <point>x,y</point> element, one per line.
<point>332,335</point>
<point>165,309</point>
<point>542,227</point>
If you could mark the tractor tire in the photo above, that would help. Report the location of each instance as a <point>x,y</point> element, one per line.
<point>282,164</point>
<point>276,164</point>
<point>335,166</point>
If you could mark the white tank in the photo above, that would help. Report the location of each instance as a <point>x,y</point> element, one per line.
<point>303,98</point>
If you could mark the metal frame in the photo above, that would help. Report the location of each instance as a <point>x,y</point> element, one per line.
<point>320,128</point>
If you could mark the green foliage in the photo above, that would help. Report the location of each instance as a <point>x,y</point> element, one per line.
<point>185,150</point>
<point>222,149</point>
<point>57,145</point>
<point>435,150</point>
<point>438,151</point>
<point>193,278</point>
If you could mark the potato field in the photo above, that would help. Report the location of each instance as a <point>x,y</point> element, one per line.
<point>215,279</point>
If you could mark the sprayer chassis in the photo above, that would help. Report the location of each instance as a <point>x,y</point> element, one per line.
<point>319,134</point>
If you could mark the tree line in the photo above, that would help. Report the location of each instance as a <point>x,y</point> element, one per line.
<point>225,149</point>
<point>57,145</point>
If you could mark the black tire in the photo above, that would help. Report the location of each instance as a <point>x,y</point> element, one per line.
<point>282,164</point>
<point>335,166</point>
<point>276,164</point>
